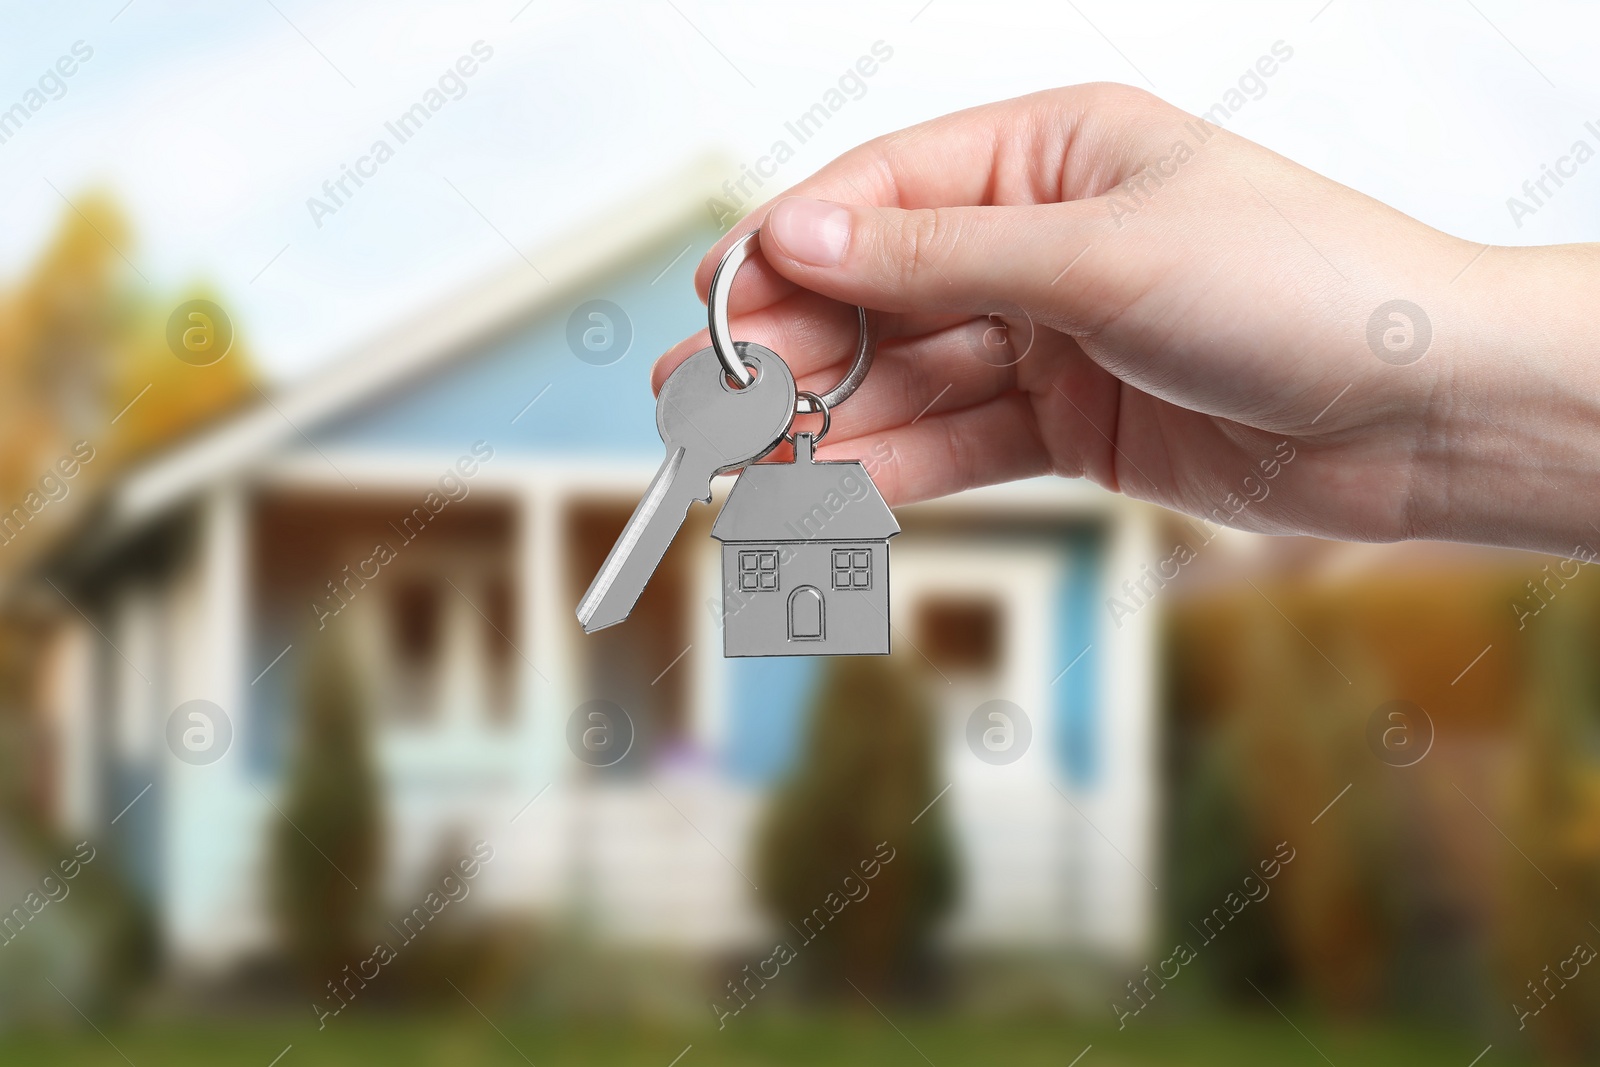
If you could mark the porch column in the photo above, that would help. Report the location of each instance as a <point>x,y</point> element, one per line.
<point>212,900</point>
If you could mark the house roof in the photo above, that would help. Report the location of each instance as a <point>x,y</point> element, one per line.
<point>805,501</point>
<point>414,349</point>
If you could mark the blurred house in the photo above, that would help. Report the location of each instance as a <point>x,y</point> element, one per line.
<point>444,497</point>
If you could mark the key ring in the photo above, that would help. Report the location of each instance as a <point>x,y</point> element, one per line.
<point>814,403</point>
<point>722,337</point>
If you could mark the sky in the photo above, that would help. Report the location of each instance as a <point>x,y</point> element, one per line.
<point>214,125</point>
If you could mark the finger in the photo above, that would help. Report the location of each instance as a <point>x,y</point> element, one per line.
<point>993,442</point>
<point>1043,148</point>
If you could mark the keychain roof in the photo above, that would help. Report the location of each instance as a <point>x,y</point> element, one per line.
<point>833,500</point>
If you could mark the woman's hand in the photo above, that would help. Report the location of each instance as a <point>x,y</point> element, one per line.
<point>1090,282</point>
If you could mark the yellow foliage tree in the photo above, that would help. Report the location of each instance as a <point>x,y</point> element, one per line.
<point>84,357</point>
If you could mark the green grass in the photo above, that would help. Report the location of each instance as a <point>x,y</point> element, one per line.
<point>470,1040</point>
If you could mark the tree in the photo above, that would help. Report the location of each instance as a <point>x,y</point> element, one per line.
<point>867,771</point>
<point>84,356</point>
<point>328,848</point>
<point>1554,803</point>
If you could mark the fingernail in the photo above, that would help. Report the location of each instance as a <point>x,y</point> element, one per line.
<point>812,231</point>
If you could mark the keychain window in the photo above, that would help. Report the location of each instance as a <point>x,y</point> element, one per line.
<point>758,571</point>
<point>852,569</point>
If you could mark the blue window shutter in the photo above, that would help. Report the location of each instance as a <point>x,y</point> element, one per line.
<point>1077,695</point>
<point>769,704</point>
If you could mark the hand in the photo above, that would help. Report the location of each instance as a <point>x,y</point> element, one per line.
<point>1090,282</point>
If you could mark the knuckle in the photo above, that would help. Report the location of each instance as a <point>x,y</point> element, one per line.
<point>958,455</point>
<point>1117,97</point>
<point>914,383</point>
<point>925,236</point>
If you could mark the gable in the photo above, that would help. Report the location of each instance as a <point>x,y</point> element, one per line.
<point>472,368</point>
<point>582,408</point>
<point>805,501</point>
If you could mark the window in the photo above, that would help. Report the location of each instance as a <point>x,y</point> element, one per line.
<point>758,571</point>
<point>852,568</point>
<point>961,634</point>
<point>417,631</point>
<point>416,621</point>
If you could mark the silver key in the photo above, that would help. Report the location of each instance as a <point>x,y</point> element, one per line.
<point>709,427</point>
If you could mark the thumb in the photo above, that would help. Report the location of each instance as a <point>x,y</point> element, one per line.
<point>952,259</point>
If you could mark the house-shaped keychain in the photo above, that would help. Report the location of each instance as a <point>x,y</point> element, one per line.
<point>805,559</point>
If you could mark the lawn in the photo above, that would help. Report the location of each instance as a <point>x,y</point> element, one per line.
<point>469,1039</point>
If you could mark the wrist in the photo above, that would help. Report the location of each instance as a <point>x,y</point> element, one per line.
<point>1512,452</point>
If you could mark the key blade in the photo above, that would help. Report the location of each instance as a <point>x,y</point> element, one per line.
<point>644,541</point>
